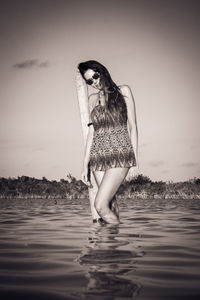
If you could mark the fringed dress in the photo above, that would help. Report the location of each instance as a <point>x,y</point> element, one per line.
<point>111,146</point>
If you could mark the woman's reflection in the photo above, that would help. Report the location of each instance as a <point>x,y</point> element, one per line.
<point>108,265</point>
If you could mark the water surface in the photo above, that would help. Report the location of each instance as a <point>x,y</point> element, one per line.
<point>50,249</point>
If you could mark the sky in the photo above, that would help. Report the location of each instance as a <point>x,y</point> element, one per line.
<point>151,45</point>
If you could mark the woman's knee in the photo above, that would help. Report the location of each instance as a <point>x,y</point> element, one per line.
<point>100,207</point>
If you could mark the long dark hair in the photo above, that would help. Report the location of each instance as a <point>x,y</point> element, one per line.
<point>115,103</point>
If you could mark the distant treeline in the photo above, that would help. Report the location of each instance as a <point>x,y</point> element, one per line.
<point>139,187</point>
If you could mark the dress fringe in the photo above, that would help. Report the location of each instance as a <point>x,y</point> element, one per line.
<point>103,161</point>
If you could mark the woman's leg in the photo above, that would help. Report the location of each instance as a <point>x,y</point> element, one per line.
<point>110,183</point>
<point>114,206</point>
<point>98,175</point>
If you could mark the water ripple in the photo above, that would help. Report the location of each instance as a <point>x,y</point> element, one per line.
<point>52,250</point>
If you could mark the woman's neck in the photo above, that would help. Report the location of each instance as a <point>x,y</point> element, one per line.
<point>102,97</point>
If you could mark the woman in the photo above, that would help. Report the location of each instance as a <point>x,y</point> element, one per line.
<point>111,147</point>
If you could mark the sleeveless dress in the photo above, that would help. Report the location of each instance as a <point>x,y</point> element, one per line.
<point>111,145</point>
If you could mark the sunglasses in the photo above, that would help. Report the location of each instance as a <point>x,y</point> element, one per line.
<point>95,76</point>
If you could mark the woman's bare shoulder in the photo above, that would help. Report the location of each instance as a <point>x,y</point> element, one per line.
<point>124,88</point>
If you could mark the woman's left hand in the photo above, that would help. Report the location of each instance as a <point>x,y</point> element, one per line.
<point>135,170</point>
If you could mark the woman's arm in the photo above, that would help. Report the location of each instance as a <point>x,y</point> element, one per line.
<point>132,120</point>
<point>84,102</point>
<point>88,144</point>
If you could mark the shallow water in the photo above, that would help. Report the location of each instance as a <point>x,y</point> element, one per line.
<point>51,250</point>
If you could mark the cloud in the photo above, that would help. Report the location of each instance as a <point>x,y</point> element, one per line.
<point>156,163</point>
<point>190,164</point>
<point>44,64</point>
<point>31,63</point>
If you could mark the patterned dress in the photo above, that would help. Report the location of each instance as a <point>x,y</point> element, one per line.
<point>111,145</point>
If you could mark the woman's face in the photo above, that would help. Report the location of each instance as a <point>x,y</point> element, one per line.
<point>90,76</point>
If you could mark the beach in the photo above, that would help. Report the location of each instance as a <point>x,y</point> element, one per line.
<point>51,249</point>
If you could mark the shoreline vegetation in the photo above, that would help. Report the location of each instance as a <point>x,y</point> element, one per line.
<point>141,187</point>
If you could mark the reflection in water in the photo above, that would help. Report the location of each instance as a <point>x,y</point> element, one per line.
<point>108,265</point>
<point>39,242</point>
